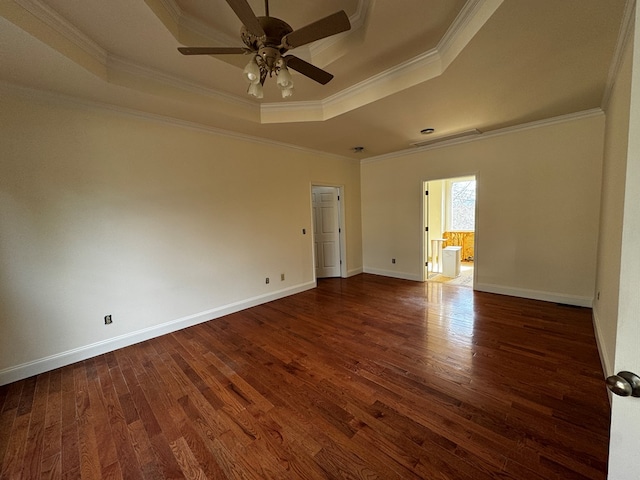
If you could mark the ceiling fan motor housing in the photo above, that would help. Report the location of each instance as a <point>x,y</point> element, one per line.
<point>267,39</point>
<point>274,29</point>
<point>270,56</point>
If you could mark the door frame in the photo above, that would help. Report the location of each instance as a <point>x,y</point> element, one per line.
<point>342,244</point>
<point>423,232</point>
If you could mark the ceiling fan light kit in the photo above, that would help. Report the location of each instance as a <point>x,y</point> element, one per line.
<point>256,90</point>
<point>261,66</point>
<point>252,71</point>
<point>267,39</point>
<point>283,78</point>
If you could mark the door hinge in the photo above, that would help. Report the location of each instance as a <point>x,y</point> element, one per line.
<point>339,230</point>
<point>338,197</point>
<point>426,192</point>
<point>426,229</point>
<point>426,264</point>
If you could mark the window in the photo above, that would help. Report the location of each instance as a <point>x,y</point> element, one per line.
<point>463,205</point>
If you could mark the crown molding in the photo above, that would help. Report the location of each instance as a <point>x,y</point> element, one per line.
<point>472,17</point>
<point>63,99</point>
<point>60,25</point>
<point>173,9</point>
<point>67,100</point>
<point>74,44</point>
<point>322,52</point>
<point>203,30</point>
<point>124,65</point>
<point>185,21</point>
<point>333,106</point>
<point>357,21</point>
<point>405,75</point>
<point>447,138</point>
<point>570,117</point>
<point>624,36</point>
<point>419,69</point>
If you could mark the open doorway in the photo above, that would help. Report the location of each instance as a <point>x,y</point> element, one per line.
<point>449,230</point>
<point>328,231</point>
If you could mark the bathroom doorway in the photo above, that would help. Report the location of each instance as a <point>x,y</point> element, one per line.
<point>449,230</point>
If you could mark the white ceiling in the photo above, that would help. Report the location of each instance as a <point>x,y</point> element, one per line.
<point>453,65</point>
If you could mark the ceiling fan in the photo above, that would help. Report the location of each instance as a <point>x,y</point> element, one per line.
<point>267,39</point>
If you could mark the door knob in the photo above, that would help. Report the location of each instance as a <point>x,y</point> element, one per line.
<point>624,384</point>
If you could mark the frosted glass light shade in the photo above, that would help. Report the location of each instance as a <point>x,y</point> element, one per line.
<point>284,79</point>
<point>252,71</point>
<point>255,90</point>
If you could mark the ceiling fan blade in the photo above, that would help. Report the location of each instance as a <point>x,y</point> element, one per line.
<point>325,27</point>
<point>213,50</point>
<point>305,68</point>
<point>247,17</point>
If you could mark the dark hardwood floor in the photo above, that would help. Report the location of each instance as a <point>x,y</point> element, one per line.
<point>363,378</point>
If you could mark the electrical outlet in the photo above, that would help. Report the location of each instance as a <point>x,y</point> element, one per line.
<point>108,320</point>
<point>393,260</point>
<point>267,280</point>
<point>282,277</point>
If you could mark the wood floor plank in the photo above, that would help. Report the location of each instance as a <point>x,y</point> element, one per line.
<point>366,377</point>
<point>70,453</point>
<point>119,430</point>
<point>160,424</point>
<point>11,466</point>
<point>11,394</point>
<point>7,417</point>
<point>35,437</point>
<point>105,446</point>
<point>51,467</point>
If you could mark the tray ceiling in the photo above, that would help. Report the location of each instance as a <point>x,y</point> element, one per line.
<point>447,64</point>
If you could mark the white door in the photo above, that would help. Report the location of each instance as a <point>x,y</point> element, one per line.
<point>624,444</point>
<point>326,231</point>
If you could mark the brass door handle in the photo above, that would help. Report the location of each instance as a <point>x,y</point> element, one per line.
<point>625,384</point>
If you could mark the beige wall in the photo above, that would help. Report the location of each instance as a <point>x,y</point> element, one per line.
<point>158,225</point>
<point>435,220</point>
<point>605,309</point>
<point>538,207</point>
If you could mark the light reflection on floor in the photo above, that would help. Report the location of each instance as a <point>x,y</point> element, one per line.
<point>449,327</point>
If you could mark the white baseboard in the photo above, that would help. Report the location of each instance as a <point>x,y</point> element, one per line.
<point>566,299</point>
<point>41,365</point>
<point>393,274</point>
<point>354,272</point>
<point>602,346</point>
